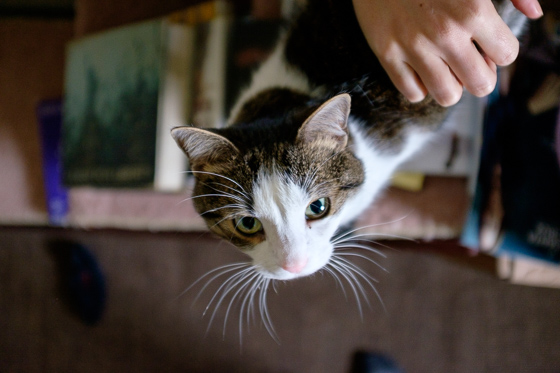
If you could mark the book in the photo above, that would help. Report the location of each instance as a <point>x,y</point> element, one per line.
<point>49,115</point>
<point>212,37</point>
<point>174,105</point>
<point>125,89</point>
<point>528,271</point>
<point>516,208</point>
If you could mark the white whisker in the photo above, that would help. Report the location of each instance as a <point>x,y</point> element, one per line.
<point>226,268</point>
<point>241,199</point>
<point>243,194</point>
<point>265,316</point>
<point>352,270</point>
<point>348,233</point>
<point>366,277</point>
<point>211,195</point>
<point>358,243</point>
<point>310,177</point>
<point>341,268</point>
<point>247,305</point>
<point>354,267</point>
<point>347,245</point>
<point>337,280</point>
<point>225,288</point>
<point>247,279</point>
<point>218,175</point>
<point>338,255</point>
<point>227,217</point>
<point>233,206</point>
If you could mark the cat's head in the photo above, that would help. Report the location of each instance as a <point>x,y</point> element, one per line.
<point>277,197</point>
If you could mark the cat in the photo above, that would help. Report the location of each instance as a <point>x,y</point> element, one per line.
<point>309,144</point>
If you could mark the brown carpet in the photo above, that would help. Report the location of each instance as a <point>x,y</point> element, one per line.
<point>441,316</point>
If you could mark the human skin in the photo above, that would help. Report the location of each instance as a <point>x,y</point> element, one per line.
<point>440,46</point>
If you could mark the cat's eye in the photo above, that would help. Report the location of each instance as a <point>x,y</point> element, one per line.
<point>317,209</point>
<point>248,225</point>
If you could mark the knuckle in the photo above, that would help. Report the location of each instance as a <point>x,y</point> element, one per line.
<point>389,53</point>
<point>474,13</point>
<point>417,45</point>
<point>444,30</point>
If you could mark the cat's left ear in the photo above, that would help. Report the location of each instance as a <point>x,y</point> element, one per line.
<point>204,148</point>
<point>328,124</point>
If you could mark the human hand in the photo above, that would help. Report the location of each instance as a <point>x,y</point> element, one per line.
<point>440,46</point>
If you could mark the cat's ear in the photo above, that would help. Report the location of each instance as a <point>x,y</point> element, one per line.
<point>204,148</point>
<point>328,124</point>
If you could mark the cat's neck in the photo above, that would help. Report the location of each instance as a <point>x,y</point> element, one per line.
<point>378,165</point>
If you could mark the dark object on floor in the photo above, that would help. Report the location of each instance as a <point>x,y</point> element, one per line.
<point>81,280</point>
<point>366,362</point>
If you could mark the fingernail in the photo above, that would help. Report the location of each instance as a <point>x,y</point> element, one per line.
<point>537,9</point>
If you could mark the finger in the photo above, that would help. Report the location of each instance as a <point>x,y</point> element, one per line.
<point>405,80</point>
<point>440,81</point>
<point>476,72</point>
<point>498,42</point>
<point>531,8</point>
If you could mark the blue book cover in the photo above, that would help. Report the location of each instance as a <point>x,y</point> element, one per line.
<point>49,115</point>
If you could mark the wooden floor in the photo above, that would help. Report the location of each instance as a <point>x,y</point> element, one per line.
<point>440,316</point>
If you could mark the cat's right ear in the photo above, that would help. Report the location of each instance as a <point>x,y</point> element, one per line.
<point>203,148</point>
<point>328,124</point>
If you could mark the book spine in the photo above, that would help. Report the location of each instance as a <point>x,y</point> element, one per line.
<point>212,35</point>
<point>174,105</point>
<point>49,114</point>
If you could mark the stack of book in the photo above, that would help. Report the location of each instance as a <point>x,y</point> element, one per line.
<point>126,88</point>
<point>516,211</point>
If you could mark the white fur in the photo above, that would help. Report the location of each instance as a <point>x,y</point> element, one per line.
<point>274,72</point>
<point>290,239</point>
<point>378,167</point>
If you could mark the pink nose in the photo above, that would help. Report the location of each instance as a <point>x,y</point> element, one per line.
<point>295,267</point>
